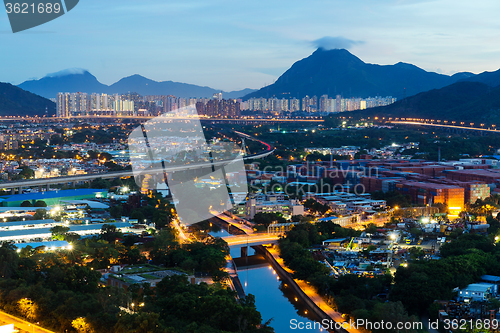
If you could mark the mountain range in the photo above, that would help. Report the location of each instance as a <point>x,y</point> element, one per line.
<point>83,81</point>
<point>473,98</point>
<point>338,72</point>
<point>462,101</point>
<point>334,72</point>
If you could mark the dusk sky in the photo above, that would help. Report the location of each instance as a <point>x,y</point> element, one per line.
<point>232,45</point>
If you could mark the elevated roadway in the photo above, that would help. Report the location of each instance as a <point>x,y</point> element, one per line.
<point>237,224</point>
<point>21,324</point>
<point>142,118</point>
<point>124,174</point>
<point>419,123</point>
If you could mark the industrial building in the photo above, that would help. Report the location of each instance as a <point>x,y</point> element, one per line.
<point>52,198</point>
<point>33,231</point>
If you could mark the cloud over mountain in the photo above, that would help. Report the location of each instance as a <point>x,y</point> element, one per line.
<point>332,43</point>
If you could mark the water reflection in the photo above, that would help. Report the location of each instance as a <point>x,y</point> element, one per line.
<point>274,299</point>
<point>219,233</point>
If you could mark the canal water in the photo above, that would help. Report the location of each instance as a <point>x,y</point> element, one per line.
<point>273,298</point>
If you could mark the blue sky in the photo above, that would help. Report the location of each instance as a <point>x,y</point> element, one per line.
<point>234,44</point>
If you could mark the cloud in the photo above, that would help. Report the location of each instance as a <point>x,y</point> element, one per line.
<point>331,43</point>
<point>67,72</point>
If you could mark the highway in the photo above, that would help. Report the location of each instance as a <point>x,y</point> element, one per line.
<point>116,117</point>
<point>22,324</point>
<point>124,174</point>
<point>418,123</point>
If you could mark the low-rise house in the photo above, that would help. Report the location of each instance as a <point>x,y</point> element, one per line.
<point>480,292</point>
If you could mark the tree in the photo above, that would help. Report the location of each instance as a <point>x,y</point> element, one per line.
<point>82,326</point>
<point>443,208</point>
<point>139,323</point>
<point>267,218</point>
<point>371,228</point>
<point>416,252</point>
<point>316,207</point>
<point>59,232</point>
<point>137,215</point>
<point>395,313</point>
<point>393,198</point>
<point>27,308</point>
<point>26,203</point>
<point>40,203</point>
<point>416,232</point>
<point>332,121</point>
<point>100,183</point>
<point>161,218</point>
<point>109,232</point>
<point>370,248</point>
<point>8,260</point>
<point>26,173</point>
<point>116,211</point>
<point>40,214</point>
<point>72,237</point>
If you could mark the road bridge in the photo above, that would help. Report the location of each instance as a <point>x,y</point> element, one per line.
<point>237,224</point>
<point>246,241</point>
<point>251,240</point>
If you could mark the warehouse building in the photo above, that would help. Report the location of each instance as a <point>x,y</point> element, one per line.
<point>52,198</point>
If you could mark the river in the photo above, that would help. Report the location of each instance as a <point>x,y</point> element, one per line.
<point>272,297</point>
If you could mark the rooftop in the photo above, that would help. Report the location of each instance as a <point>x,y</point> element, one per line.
<point>491,278</point>
<point>52,194</point>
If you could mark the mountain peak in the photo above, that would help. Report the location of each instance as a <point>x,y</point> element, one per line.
<point>67,72</point>
<point>406,65</point>
<point>322,49</point>
<point>333,52</point>
<point>340,56</point>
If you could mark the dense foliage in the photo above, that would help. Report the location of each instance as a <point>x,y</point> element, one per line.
<point>352,294</point>
<point>464,261</point>
<point>61,289</point>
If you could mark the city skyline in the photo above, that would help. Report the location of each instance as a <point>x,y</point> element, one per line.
<point>232,46</point>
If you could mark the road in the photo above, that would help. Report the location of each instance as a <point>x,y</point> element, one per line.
<point>123,174</point>
<point>21,324</point>
<point>255,239</point>
<point>104,117</point>
<point>182,236</point>
<point>243,227</point>
<point>418,123</point>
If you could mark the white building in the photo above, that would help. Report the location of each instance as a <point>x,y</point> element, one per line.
<point>477,292</point>
<point>287,208</point>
